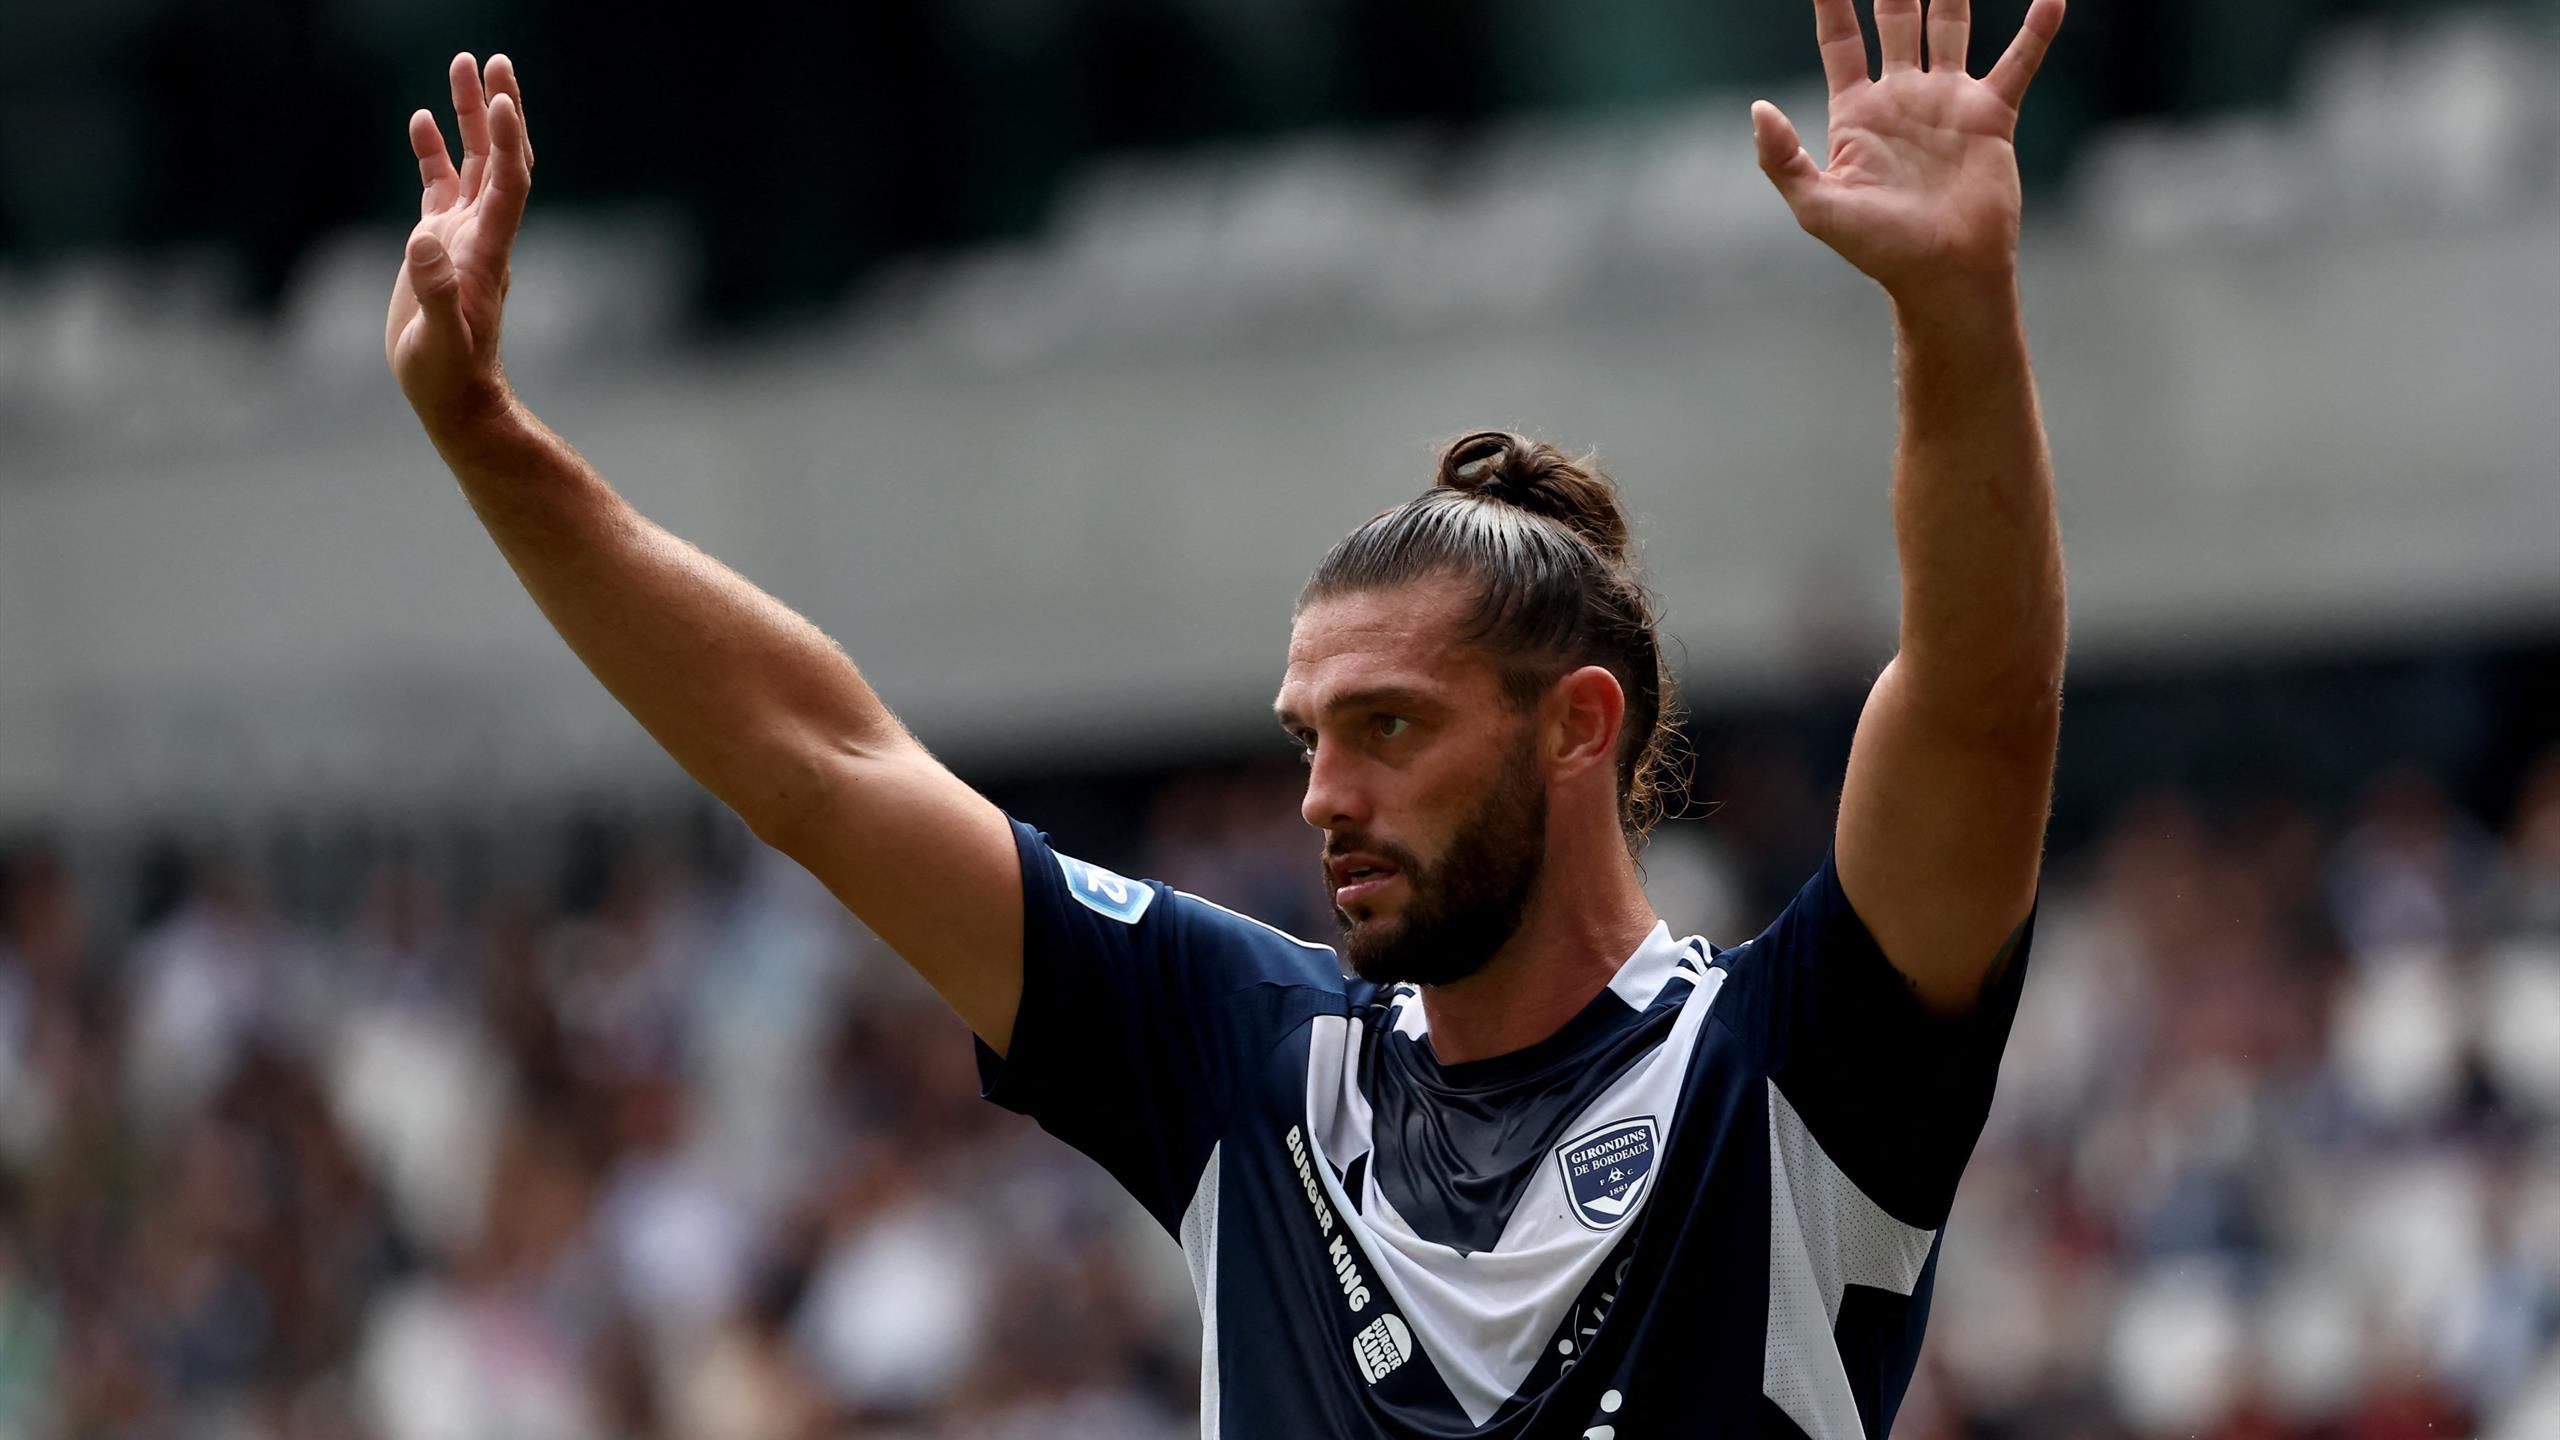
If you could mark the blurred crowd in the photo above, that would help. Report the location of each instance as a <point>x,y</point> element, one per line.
<point>2275,1154</point>
<point>620,1128</point>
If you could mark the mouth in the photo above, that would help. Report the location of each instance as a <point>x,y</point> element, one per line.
<point>1359,879</point>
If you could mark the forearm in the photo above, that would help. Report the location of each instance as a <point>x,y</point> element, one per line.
<point>746,695</point>
<point>1974,515</point>
<point>751,699</point>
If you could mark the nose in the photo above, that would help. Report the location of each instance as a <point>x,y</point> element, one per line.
<point>1335,799</point>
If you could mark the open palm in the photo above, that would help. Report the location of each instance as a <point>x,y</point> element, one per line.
<point>441,336</point>
<point>1922,184</point>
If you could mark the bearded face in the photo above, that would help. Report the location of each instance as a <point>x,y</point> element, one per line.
<point>1465,904</point>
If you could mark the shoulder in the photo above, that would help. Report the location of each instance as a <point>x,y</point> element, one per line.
<point>1285,958</point>
<point>1064,893</point>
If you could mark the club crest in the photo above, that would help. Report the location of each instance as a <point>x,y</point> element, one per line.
<point>1605,1170</point>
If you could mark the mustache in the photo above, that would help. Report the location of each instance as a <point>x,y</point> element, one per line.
<point>1357,844</point>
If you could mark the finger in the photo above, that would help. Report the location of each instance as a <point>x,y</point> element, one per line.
<point>1898,34</point>
<point>471,116</point>
<point>1844,45</point>
<point>502,81</point>
<point>510,174</point>
<point>439,290</point>
<point>1782,156</point>
<point>439,185</point>
<point>2017,70</point>
<point>1950,34</point>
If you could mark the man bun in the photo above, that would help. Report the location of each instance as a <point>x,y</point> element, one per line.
<point>1544,541</point>
<point>1535,476</point>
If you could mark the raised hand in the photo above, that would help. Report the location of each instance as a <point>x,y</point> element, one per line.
<point>1922,187</point>
<point>442,333</point>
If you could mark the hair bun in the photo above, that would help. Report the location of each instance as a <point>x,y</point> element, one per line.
<point>1537,477</point>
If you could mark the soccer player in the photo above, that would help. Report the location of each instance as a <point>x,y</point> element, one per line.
<point>1533,1167</point>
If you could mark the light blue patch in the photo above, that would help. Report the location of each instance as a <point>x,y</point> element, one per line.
<point>1104,893</point>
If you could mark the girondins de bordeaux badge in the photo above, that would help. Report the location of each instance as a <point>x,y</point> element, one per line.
<point>1605,1170</point>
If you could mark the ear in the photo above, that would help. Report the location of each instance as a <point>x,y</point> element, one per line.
<point>1585,711</point>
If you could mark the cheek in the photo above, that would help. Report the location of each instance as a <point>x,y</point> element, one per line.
<point>1434,795</point>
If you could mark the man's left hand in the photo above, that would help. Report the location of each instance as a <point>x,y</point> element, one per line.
<point>1921,192</point>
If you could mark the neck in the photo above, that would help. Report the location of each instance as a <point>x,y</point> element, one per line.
<point>1578,930</point>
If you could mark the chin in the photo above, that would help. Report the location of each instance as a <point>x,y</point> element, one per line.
<point>1361,932</point>
<point>1366,915</point>
<point>1373,949</point>
<point>1375,918</point>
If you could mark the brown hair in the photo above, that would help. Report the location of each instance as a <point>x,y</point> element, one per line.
<point>1545,540</point>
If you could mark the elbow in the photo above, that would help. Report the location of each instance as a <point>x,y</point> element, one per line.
<point>2008,706</point>
<point>783,806</point>
<point>2023,712</point>
<point>2029,694</point>
<point>795,800</point>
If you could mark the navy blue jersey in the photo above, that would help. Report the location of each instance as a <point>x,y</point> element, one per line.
<point>1709,1205</point>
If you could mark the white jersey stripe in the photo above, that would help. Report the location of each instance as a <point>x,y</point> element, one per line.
<point>1200,1247</point>
<point>1824,1235</point>
<point>1485,1319</point>
<point>1641,979</point>
<point>1257,924</point>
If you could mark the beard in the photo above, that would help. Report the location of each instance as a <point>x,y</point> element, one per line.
<point>1467,905</point>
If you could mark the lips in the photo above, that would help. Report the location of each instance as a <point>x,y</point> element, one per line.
<point>1358,877</point>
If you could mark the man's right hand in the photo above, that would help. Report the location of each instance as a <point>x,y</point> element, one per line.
<point>442,334</point>
<point>753,700</point>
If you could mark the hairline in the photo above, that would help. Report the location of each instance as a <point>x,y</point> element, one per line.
<point>1526,673</point>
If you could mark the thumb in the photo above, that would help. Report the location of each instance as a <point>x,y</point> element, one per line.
<point>1782,154</point>
<point>439,290</point>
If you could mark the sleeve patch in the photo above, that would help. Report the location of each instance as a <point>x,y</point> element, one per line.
<point>1104,893</point>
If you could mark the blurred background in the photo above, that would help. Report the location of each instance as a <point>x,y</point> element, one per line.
<point>393,1045</point>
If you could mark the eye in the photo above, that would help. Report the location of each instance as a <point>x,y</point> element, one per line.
<point>1391,726</point>
<point>1304,743</point>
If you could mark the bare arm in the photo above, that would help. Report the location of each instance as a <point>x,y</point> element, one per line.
<point>749,697</point>
<point>1942,817</point>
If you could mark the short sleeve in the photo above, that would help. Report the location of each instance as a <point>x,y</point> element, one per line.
<point>1143,1009</point>
<point>1895,1094</point>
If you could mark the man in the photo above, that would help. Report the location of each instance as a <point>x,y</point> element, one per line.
<point>1535,1168</point>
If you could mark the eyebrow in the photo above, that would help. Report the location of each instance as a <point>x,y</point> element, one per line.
<point>1391,696</point>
